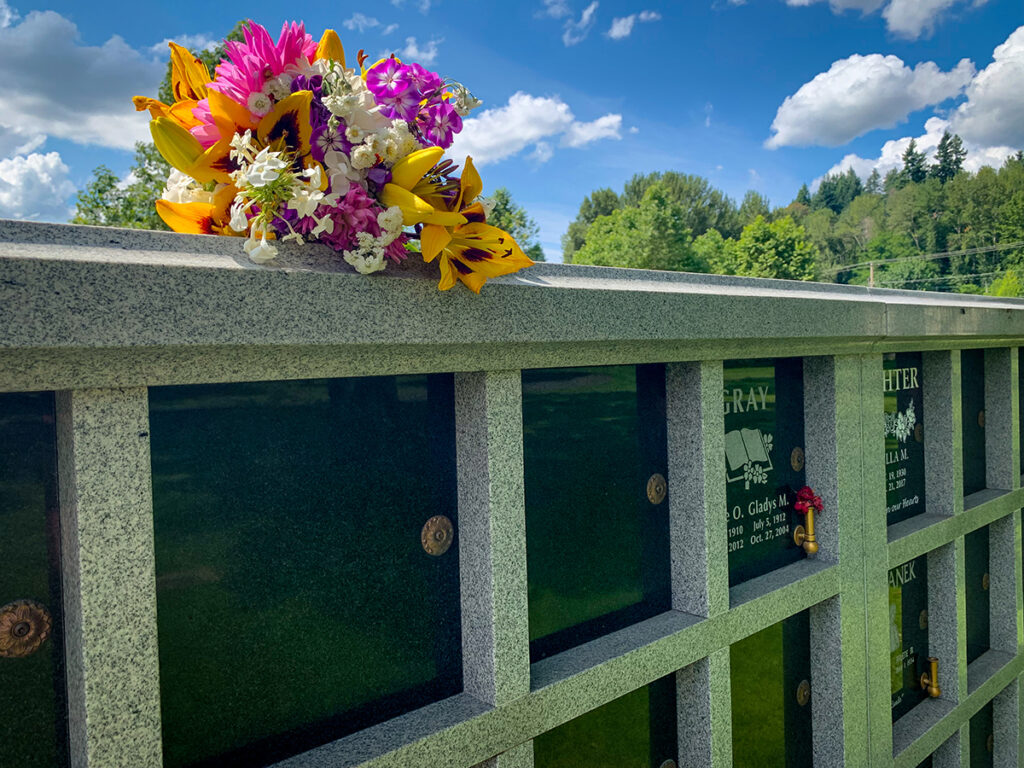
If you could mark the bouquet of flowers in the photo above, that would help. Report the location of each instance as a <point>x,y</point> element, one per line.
<point>286,142</point>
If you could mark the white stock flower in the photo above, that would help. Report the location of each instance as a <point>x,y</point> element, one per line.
<point>260,250</point>
<point>259,104</point>
<point>265,168</point>
<point>238,222</point>
<point>182,188</point>
<point>362,157</point>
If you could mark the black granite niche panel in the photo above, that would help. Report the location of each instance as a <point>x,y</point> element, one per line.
<point>972,412</point>
<point>595,468</point>
<point>908,634</point>
<point>297,600</point>
<point>764,462</point>
<point>982,738</point>
<point>33,701</point>
<point>637,730</point>
<point>771,696</point>
<point>976,579</point>
<point>902,382</point>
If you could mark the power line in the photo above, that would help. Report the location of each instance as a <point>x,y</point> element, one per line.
<point>938,279</point>
<point>929,256</point>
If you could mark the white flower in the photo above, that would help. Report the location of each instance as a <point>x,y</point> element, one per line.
<point>265,168</point>
<point>362,157</point>
<point>390,222</point>
<point>182,188</point>
<point>355,134</point>
<point>326,224</point>
<point>259,104</point>
<point>260,251</point>
<point>279,87</point>
<point>238,222</point>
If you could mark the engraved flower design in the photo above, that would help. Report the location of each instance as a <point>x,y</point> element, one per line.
<point>767,442</point>
<point>24,626</point>
<point>754,473</point>
<point>901,425</point>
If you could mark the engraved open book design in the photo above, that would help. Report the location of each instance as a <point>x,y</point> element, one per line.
<point>748,456</point>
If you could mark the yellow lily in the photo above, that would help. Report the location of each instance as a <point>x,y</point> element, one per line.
<point>417,195</point>
<point>330,47</point>
<point>200,218</point>
<point>474,251</point>
<point>189,75</point>
<point>286,127</point>
<point>183,151</point>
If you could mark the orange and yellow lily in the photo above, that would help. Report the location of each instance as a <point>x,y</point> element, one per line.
<point>417,195</point>
<point>473,251</point>
<point>200,218</point>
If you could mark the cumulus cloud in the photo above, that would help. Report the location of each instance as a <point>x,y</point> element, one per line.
<point>35,187</point>
<point>859,94</point>
<point>361,22</point>
<point>422,5</point>
<point>906,18</point>
<point>556,9</point>
<point>577,31</point>
<point>389,29</point>
<point>425,54</point>
<point>891,155</point>
<point>7,15</point>
<point>623,27</point>
<point>529,121</point>
<point>994,110</point>
<point>19,140</point>
<point>51,84</point>
<point>194,43</point>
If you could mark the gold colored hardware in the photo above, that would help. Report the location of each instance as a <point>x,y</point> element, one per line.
<point>24,627</point>
<point>803,693</point>
<point>796,459</point>
<point>657,487</point>
<point>437,535</point>
<point>922,620</point>
<point>985,582</point>
<point>981,419</point>
<point>919,432</point>
<point>804,537</point>
<point>930,679</point>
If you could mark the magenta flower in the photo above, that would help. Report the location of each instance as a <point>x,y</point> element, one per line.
<point>425,82</point>
<point>439,123</point>
<point>207,133</point>
<point>388,79</point>
<point>250,64</point>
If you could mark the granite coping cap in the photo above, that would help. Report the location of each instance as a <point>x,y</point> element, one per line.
<point>68,286</point>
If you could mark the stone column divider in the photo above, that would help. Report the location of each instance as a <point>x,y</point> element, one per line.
<point>106,510</point>
<point>492,535</point>
<point>1002,462</point>
<point>943,465</point>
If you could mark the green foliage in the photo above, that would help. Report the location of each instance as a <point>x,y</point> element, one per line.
<point>651,235</point>
<point>949,158</point>
<point>780,249</point>
<point>108,202</point>
<point>803,196</point>
<point>915,164</point>
<point>600,202</point>
<point>837,191</point>
<point>873,186</point>
<point>716,252</point>
<point>754,204</point>
<point>514,219</point>
<point>1009,284</point>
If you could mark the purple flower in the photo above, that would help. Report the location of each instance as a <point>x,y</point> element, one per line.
<point>439,123</point>
<point>426,82</point>
<point>388,79</point>
<point>326,140</point>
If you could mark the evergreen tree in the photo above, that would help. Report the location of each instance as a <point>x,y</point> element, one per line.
<point>949,158</point>
<point>873,186</point>
<point>803,196</point>
<point>915,164</point>
<point>754,204</point>
<point>837,191</point>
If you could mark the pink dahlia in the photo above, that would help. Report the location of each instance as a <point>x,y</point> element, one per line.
<point>251,63</point>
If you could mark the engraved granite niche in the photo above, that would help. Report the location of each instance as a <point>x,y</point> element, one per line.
<point>307,584</point>
<point>636,730</point>
<point>595,466</point>
<point>908,634</point>
<point>771,696</point>
<point>904,436</point>
<point>764,461</point>
<point>33,704</point>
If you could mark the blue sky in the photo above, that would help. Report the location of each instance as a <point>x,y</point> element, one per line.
<point>762,94</point>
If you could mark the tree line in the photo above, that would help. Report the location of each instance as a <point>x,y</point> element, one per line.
<point>890,231</point>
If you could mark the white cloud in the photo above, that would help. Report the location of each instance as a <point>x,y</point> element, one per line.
<point>360,22</point>
<point>422,5</point>
<point>35,187</point>
<point>708,109</point>
<point>891,155</point>
<point>994,110</point>
<point>623,27</point>
<point>581,134</point>
<point>542,152</point>
<point>19,140</point>
<point>526,121</point>
<point>556,9</point>
<point>906,18</point>
<point>194,43</point>
<point>634,129</point>
<point>52,84</point>
<point>859,94</point>
<point>577,31</point>
<point>389,29</point>
<point>7,15</point>
<point>422,54</point>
